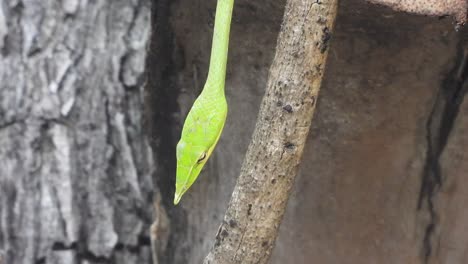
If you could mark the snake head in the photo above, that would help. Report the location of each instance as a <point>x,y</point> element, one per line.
<point>190,162</point>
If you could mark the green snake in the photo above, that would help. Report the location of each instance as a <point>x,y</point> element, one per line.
<point>205,120</point>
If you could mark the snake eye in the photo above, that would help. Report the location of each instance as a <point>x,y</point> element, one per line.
<point>202,158</point>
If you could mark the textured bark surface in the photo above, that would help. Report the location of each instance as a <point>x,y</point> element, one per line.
<point>75,167</point>
<point>250,226</point>
<point>455,8</point>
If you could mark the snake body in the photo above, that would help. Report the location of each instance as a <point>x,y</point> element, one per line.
<point>205,121</point>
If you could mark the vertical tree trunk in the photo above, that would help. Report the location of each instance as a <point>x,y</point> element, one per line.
<point>75,168</point>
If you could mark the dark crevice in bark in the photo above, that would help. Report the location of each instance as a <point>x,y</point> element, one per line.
<point>84,254</point>
<point>123,61</point>
<point>138,7</point>
<point>438,128</point>
<point>6,124</point>
<point>161,119</point>
<point>40,261</point>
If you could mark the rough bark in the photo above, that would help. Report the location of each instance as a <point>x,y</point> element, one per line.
<point>456,8</point>
<point>75,166</point>
<point>250,226</point>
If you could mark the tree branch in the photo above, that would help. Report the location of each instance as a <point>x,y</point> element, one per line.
<point>455,8</point>
<point>251,223</point>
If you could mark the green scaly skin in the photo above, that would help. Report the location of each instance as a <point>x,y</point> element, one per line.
<point>205,121</point>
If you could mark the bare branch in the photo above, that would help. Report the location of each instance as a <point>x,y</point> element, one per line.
<point>251,223</point>
<point>456,8</point>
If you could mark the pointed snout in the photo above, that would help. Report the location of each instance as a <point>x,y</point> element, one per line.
<point>177,198</point>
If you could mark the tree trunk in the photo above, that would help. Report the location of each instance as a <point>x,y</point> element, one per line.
<point>456,8</point>
<point>75,166</point>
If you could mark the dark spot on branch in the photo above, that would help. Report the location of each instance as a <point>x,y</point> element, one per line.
<point>325,39</point>
<point>321,20</point>
<point>318,68</point>
<point>249,210</point>
<point>288,108</point>
<point>289,145</point>
<point>217,242</point>
<point>232,223</point>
